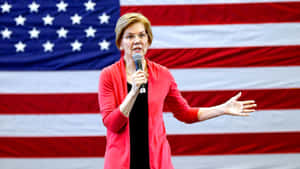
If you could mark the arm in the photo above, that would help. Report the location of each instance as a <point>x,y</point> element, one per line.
<point>128,102</point>
<point>138,78</point>
<point>176,103</point>
<point>115,116</point>
<point>112,117</point>
<point>183,112</point>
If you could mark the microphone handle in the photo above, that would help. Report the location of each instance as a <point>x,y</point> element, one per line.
<point>139,65</point>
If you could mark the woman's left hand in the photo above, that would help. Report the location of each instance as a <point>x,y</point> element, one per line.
<point>238,108</point>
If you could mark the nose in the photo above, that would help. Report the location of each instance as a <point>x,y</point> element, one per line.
<point>137,39</point>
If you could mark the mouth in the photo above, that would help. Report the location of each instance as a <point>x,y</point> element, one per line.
<point>137,50</point>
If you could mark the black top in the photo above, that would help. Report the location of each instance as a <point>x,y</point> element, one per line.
<point>138,124</point>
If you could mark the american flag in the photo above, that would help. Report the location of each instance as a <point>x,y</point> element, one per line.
<point>52,53</point>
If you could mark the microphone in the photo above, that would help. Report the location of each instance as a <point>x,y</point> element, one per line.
<point>139,66</point>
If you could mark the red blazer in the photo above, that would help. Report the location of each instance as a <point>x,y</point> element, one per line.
<point>163,94</point>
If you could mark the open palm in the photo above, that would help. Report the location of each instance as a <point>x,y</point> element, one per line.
<point>238,108</point>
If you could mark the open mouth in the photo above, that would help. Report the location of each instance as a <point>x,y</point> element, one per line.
<point>137,50</point>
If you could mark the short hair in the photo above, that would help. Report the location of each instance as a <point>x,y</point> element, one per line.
<point>127,20</point>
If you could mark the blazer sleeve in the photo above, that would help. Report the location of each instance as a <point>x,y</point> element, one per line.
<point>112,117</point>
<point>177,104</point>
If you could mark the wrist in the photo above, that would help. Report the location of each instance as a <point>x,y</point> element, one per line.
<point>134,91</point>
<point>221,109</point>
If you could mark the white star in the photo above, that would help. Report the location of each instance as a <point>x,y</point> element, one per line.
<point>6,33</point>
<point>34,33</point>
<point>90,5</point>
<point>62,32</point>
<point>90,32</point>
<point>48,46</point>
<point>76,45</point>
<point>76,19</point>
<point>104,18</point>
<point>6,7</point>
<point>48,19</point>
<point>20,46</point>
<point>61,6</point>
<point>20,20</point>
<point>104,45</point>
<point>34,7</point>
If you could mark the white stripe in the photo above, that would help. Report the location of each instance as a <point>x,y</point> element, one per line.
<point>91,124</point>
<point>237,78</point>
<point>273,161</point>
<point>187,80</point>
<point>49,81</point>
<point>270,161</point>
<point>52,125</point>
<point>234,35</point>
<point>185,2</point>
<point>51,163</point>
<point>277,121</point>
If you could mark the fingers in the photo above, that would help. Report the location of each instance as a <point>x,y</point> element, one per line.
<point>249,106</point>
<point>236,96</point>
<point>247,102</point>
<point>240,113</point>
<point>139,78</point>
<point>249,110</point>
<point>243,114</point>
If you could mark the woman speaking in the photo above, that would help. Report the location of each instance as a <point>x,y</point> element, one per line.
<point>134,92</point>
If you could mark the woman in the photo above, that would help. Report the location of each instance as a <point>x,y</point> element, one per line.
<point>136,136</point>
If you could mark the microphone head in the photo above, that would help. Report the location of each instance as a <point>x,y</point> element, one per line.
<point>137,56</point>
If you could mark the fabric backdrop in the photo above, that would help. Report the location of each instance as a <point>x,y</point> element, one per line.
<point>52,52</point>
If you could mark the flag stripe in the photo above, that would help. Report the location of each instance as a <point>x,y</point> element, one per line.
<point>271,161</point>
<point>91,124</point>
<point>234,35</point>
<point>181,2</point>
<point>278,121</point>
<point>266,99</point>
<point>200,144</point>
<point>226,57</point>
<point>199,14</point>
<point>199,79</point>
<point>212,144</point>
<point>179,162</point>
<point>87,102</point>
<point>52,163</point>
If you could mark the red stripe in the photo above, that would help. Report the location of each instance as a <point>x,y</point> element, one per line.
<point>48,103</point>
<point>244,13</point>
<point>87,102</point>
<point>226,57</point>
<point>202,144</point>
<point>229,144</point>
<point>266,99</point>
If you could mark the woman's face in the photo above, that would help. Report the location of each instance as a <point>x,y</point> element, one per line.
<point>135,40</point>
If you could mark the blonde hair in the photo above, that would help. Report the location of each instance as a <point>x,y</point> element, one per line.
<point>128,19</point>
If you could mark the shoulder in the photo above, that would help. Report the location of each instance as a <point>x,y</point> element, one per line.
<point>109,70</point>
<point>111,67</point>
<point>160,72</point>
<point>158,68</point>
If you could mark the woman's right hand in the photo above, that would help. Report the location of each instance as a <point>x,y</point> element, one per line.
<point>138,78</point>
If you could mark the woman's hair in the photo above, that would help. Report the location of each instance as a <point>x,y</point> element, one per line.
<point>128,19</point>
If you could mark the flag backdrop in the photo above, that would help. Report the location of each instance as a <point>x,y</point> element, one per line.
<point>52,52</point>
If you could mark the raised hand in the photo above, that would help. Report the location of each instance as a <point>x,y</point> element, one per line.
<point>238,108</point>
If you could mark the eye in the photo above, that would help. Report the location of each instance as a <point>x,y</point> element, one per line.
<point>142,35</point>
<point>129,36</point>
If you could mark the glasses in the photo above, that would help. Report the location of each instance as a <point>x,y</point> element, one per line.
<point>133,36</point>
